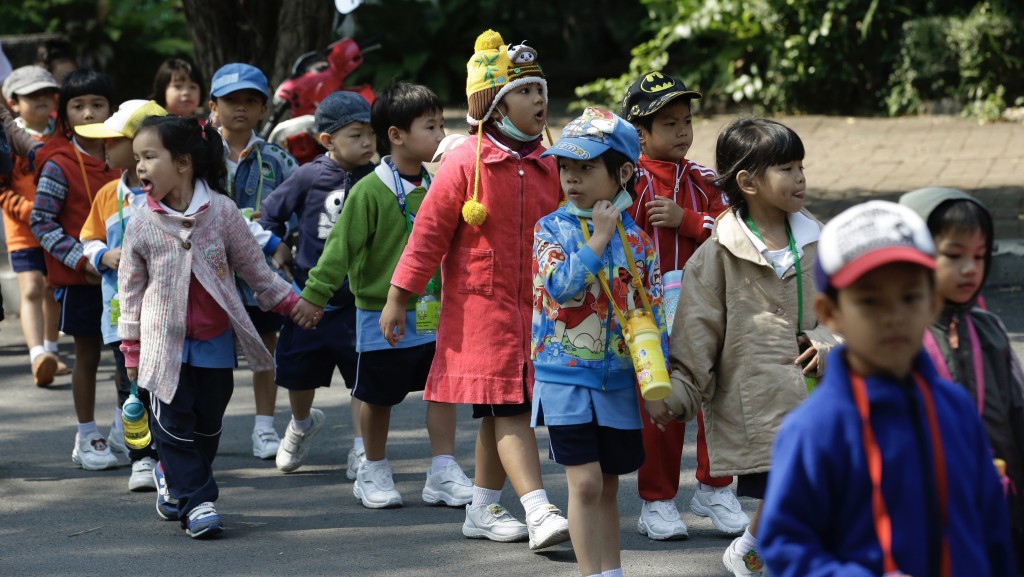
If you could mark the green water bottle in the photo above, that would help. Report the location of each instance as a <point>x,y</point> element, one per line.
<point>136,421</point>
<point>428,310</point>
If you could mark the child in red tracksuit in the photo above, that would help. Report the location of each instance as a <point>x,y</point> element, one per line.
<point>676,203</point>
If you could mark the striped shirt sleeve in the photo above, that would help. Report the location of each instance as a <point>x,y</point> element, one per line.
<point>51,193</point>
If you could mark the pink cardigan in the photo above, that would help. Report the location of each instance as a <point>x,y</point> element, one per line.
<point>483,340</point>
<point>160,254</point>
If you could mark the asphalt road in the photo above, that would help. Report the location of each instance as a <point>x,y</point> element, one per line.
<point>58,520</point>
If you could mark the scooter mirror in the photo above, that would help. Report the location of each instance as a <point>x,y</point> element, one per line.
<point>346,6</point>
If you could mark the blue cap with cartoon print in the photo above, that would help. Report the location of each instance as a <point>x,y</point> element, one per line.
<point>595,132</point>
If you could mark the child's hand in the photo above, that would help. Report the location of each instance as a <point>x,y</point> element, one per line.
<point>282,260</point>
<point>808,359</point>
<point>664,212</point>
<point>392,322</point>
<point>606,216</point>
<point>306,314</point>
<point>133,373</point>
<point>111,258</point>
<point>92,276</point>
<point>659,413</point>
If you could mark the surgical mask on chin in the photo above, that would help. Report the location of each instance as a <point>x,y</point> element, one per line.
<point>510,130</point>
<point>622,201</point>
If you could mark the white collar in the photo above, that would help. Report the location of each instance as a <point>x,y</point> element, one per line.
<point>804,229</point>
<point>254,139</point>
<point>200,198</point>
<point>383,171</point>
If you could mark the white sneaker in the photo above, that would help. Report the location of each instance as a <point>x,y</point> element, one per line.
<point>659,520</point>
<point>142,475</point>
<point>92,453</point>
<point>115,441</point>
<point>295,445</point>
<point>493,522</point>
<point>743,564</point>
<point>265,443</point>
<point>356,457</point>
<point>547,527</point>
<point>449,485</point>
<point>723,508</point>
<point>375,487</point>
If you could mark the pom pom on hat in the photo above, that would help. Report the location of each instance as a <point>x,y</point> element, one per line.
<point>491,73</point>
<point>473,212</point>
<point>488,40</point>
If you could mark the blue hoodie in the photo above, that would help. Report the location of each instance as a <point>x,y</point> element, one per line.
<point>818,519</point>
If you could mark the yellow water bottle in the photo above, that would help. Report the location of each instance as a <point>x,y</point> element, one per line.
<point>644,341</point>
<point>428,310</point>
<point>136,421</point>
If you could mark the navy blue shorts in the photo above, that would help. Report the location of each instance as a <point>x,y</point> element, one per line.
<point>511,410</point>
<point>619,451</point>
<point>28,259</point>
<point>264,321</point>
<point>753,485</point>
<point>81,307</point>
<point>307,359</point>
<point>386,376</point>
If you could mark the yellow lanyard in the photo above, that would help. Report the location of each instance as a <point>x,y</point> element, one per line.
<point>637,282</point>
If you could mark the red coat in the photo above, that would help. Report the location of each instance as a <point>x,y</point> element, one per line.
<point>483,339</point>
<point>701,200</point>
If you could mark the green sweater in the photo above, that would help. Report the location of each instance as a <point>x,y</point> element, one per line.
<point>365,244</point>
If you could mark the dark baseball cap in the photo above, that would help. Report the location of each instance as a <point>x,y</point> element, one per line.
<point>651,92</point>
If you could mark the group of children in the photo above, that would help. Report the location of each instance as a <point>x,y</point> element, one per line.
<point>538,257</point>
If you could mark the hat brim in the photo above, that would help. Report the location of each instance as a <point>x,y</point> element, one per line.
<point>98,130</point>
<point>576,149</point>
<point>225,90</point>
<point>872,260</point>
<point>32,87</point>
<point>664,100</point>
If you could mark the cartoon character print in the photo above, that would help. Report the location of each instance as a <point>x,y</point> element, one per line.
<point>521,53</point>
<point>329,216</point>
<point>217,259</point>
<point>578,324</point>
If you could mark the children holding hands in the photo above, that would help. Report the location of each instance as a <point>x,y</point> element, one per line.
<point>585,283</point>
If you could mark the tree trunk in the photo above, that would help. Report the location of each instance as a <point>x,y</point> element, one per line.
<point>269,34</point>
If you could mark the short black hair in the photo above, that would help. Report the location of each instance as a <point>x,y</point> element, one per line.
<point>647,121</point>
<point>960,216</point>
<point>80,83</point>
<point>398,105</point>
<point>753,145</point>
<point>165,75</point>
<point>613,161</point>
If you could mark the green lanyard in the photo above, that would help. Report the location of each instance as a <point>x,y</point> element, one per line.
<point>796,265</point>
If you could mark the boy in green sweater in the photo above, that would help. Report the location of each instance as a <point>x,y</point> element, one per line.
<point>365,246</point>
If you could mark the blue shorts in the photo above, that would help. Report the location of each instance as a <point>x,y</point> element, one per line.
<point>385,377</point>
<point>264,321</point>
<point>306,359</point>
<point>27,260</point>
<point>81,308</point>
<point>619,451</point>
<point>753,485</point>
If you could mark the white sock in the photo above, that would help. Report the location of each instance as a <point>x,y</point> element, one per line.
<point>612,573</point>
<point>118,423</point>
<point>439,462</point>
<point>534,501</point>
<point>303,425</point>
<point>357,444</point>
<point>50,346</point>
<point>705,488</point>
<point>85,429</point>
<point>482,496</point>
<point>374,465</point>
<point>746,542</point>
<point>34,352</point>
<point>264,422</point>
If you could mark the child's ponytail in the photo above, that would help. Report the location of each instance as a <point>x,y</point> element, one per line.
<point>186,136</point>
<point>753,145</point>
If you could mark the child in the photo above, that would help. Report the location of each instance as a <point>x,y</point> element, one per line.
<point>178,86</point>
<point>677,202</point>
<point>745,324</point>
<point>365,245</point>
<point>31,92</point>
<point>72,173</point>
<point>885,469</point>
<point>969,344</point>
<point>478,219</point>
<point>238,97</point>
<point>101,237</point>
<point>180,309</point>
<point>586,386</point>
<point>306,359</point>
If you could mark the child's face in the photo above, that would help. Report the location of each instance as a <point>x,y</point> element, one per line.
<point>587,181</point>
<point>351,146</point>
<point>671,133</point>
<point>182,95</point>
<point>424,135</point>
<point>120,154</point>
<point>159,172</point>
<point>35,108</point>
<point>781,187</point>
<point>525,107</point>
<point>882,316</point>
<point>87,109</point>
<point>960,264</point>
<point>239,111</point>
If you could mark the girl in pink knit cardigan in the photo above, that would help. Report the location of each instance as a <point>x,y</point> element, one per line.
<point>180,313</point>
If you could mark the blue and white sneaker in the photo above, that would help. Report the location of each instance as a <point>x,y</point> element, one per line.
<point>203,521</point>
<point>166,506</point>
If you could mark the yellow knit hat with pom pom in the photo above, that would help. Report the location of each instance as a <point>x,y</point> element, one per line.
<point>494,70</point>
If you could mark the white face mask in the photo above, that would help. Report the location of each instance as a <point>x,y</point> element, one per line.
<point>622,201</point>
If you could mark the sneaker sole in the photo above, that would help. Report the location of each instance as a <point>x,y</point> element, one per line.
<point>264,456</point>
<point>290,467</point>
<point>432,497</point>
<point>477,533</point>
<point>141,485</point>
<point>78,461</point>
<point>45,372</point>
<point>699,510</point>
<point>206,533</point>
<point>393,503</point>
<point>646,532</point>
<point>560,536</point>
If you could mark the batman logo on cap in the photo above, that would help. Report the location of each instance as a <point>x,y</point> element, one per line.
<point>656,82</point>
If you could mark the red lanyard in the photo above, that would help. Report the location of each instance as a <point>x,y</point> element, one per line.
<point>932,347</point>
<point>883,522</point>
